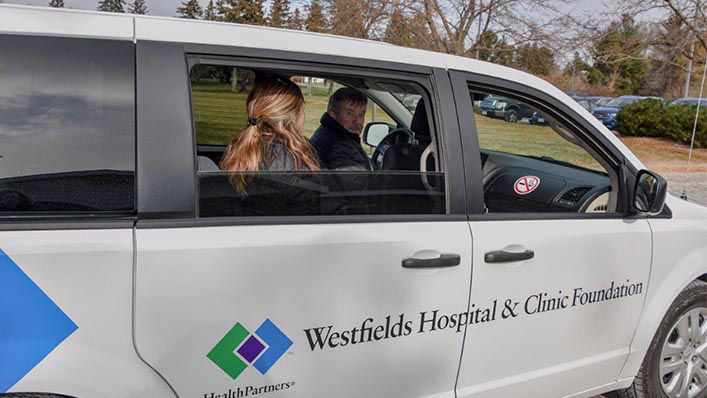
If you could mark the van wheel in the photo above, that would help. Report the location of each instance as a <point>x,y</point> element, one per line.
<point>675,365</point>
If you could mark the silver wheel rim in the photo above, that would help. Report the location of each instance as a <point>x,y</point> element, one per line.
<point>683,360</point>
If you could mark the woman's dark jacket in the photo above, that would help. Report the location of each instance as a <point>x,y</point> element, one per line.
<point>279,188</point>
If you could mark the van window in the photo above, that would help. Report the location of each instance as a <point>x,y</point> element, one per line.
<point>351,177</point>
<point>534,163</point>
<point>219,96</point>
<point>67,125</point>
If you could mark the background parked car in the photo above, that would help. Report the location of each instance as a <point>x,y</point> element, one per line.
<point>504,108</point>
<point>573,93</point>
<point>583,101</point>
<point>596,102</point>
<point>607,113</point>
<point>493,106</point>
<point>689,101</point>
<point>538,118</point>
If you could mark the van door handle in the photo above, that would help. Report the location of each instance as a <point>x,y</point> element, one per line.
<point>444,260</point>
<point>502,256</point>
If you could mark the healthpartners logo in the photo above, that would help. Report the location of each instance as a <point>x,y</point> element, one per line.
<point>239,347</point>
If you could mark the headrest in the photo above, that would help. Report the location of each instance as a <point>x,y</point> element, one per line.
<point>420,124</point>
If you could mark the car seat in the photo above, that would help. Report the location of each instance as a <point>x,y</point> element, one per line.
<point>406,155</point>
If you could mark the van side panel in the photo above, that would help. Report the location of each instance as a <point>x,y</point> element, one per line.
<point>679,257</point>
<point>74,332</point>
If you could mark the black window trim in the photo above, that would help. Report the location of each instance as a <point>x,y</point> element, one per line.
<point>68,223</point>
<point>464,80</point>
<point>297,220</point>
<point>434,80</point>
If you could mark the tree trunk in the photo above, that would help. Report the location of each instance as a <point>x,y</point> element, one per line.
<point>234,81</point>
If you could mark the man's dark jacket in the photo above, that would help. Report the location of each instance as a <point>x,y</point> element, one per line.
<point>338,148</point>
<point>341,150</point>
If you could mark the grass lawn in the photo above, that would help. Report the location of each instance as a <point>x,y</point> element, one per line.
<point>665,156</point>
<point>529,139</point>
<point>220,113</point>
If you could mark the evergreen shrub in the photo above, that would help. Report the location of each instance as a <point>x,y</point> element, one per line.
<point>649,118</point>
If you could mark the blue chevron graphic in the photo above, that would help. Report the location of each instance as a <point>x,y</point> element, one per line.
<point>31,325</point>
<point>277,342</point>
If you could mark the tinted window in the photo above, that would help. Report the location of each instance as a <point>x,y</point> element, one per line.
<point>67,125</point>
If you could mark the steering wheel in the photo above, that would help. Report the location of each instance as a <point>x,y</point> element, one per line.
<point>397,136</point>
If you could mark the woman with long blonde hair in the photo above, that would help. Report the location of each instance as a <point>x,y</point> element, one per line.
<point>273,139</point>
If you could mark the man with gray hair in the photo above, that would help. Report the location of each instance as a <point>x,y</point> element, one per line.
<point>337,140</point>
<point>338,143</point>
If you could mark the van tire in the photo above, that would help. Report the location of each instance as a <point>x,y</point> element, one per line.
<point>647,381</point>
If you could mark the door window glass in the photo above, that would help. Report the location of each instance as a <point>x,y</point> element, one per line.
<point>533,163</point>
<point>326,167</point>
<point>67,125</point>
<point>219,96</point>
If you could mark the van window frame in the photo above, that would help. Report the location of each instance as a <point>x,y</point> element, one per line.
<point>624,174</point>
<point>68,219</point>
<point>304,68</point>
<point>433,80</point>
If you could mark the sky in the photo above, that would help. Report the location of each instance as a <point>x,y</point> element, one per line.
<point>168,7</point>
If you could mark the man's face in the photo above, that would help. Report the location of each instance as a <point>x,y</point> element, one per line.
<point>350,116</point>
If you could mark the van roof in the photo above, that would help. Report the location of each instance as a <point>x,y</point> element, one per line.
<point>48,21</point>
<point>33,20</point>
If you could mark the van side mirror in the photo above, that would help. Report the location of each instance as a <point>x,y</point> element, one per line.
<point>374,133</point>
<point>649,193</point>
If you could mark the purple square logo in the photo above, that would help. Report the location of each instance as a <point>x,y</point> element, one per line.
<point>251,348</point>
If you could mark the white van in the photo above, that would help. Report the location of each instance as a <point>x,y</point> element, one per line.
<point>478,258</point>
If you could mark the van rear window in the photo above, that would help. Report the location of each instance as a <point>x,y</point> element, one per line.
<point>67,125</point>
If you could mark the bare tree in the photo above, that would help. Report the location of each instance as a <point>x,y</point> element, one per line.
<point>407,31</point>
<point>357,18</point>
<point>456,26</point>
<point>678,41</point>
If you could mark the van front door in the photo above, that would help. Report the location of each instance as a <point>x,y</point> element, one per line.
<point>554,256</point>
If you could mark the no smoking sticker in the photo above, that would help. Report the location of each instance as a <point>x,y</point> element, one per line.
<point>526,185</point>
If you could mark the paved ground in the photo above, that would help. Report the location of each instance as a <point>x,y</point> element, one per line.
<point>669,159</point>
<point>696,185</point>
